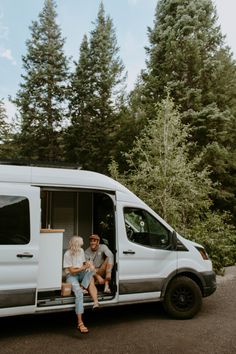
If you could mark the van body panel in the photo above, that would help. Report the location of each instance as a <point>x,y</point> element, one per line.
<point>58,177</point>
<point>139,297</point>
<point>18,258</point>
<point>137,286</point>
<point>16,174</point>
<point>185,260</point>
<point>17,297</point>
<point>192,258</point>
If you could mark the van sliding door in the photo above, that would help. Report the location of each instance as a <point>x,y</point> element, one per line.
<point>19,248</point>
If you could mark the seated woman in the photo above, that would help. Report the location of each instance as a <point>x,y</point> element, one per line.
<point>80,274</point>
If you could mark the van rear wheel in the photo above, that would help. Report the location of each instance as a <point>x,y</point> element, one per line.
<point>183,298</point>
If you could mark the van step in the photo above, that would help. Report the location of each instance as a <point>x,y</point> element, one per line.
<point>52,299</point>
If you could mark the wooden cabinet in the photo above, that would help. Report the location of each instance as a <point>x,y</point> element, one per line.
<point>50,259</point>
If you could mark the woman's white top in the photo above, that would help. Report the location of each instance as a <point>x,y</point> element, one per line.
<point>73,260</point>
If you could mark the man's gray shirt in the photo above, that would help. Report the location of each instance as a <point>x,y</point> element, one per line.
<point>98,257</point>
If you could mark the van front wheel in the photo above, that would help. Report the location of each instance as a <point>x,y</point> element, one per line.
<point>183,298</point>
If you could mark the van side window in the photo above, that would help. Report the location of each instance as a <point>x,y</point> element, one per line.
<point>14,220</point>
<point>144,229</point>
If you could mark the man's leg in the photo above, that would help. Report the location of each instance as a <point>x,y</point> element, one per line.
<point>103,275</point>
<point>94,294</point>
<point>108,278</point>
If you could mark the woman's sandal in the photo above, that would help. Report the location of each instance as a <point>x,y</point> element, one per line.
<point>82,328</point>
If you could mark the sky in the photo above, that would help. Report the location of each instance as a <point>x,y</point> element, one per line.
<point>131,18</point>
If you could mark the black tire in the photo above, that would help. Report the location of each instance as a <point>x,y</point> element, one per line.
<point>183,298</point>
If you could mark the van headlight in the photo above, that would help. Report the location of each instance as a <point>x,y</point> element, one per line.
<point>203,253</point>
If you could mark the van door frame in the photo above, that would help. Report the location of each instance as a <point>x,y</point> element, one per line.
<point>112,195</point>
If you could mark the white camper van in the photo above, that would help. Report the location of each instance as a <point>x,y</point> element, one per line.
<point>41,208</point>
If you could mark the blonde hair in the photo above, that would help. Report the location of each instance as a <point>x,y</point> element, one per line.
<point>75,244</point>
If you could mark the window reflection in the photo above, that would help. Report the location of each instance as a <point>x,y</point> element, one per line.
<point>14,220</point>
<point>144,229</point>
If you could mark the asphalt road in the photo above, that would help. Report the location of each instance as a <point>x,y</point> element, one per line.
<point>130,329</point>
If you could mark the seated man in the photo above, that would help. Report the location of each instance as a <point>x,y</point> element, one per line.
<point>102,259</point>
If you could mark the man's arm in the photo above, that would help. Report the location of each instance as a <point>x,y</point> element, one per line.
<point>108,254</point>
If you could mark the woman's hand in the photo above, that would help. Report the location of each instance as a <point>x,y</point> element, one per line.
<point>86,265</point>
<point>76,270</point>
<point>91,265</point>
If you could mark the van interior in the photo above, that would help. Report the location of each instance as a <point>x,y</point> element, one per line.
<point>78,212</point>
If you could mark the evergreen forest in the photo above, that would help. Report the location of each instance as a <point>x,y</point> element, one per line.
<point>171,140</point>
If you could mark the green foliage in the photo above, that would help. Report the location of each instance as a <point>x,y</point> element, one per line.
<point>187,56</point>
<point>3,123</point>
<point>215,141</point>
<point>183,45</point>
<point>96,91</point>
<point>160,172</point>
<point>218,236</point>
<point>163,176</point>
<point>7,149</point>
<point>41,97</point>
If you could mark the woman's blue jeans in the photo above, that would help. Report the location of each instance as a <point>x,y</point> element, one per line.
<point>77,280</point>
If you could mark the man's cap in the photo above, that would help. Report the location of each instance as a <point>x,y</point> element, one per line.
<point>94,237</point>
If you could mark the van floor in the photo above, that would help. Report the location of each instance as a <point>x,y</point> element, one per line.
<point>54,298</point>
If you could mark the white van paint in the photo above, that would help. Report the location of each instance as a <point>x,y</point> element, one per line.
<point>41,208</point>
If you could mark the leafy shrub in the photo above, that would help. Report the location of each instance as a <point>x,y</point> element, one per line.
<point>218,237</point>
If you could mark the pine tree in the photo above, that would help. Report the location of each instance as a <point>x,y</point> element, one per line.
<point>80,109</point>
<point>4,130</point>
<point>187,56</point>
<point>184,53</point>
<point>8,151</point>
<point>3,124</point>
<point>161,173</point>
<point>96,87</point>
<point>41,97</point>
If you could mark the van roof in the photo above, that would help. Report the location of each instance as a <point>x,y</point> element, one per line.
<point>66,178</point>
<point>58,177</point>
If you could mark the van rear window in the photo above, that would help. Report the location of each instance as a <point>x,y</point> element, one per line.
<point>14,220</point>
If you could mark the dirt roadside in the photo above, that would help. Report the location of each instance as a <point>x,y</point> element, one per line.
<point>230,274</point>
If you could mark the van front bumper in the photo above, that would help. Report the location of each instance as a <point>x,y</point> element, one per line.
<point>208,283</point>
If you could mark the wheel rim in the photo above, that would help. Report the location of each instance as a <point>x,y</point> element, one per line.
<point>182,298</point>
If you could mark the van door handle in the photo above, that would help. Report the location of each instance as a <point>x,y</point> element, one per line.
<point>129,252</point>
<point>24,255</point>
